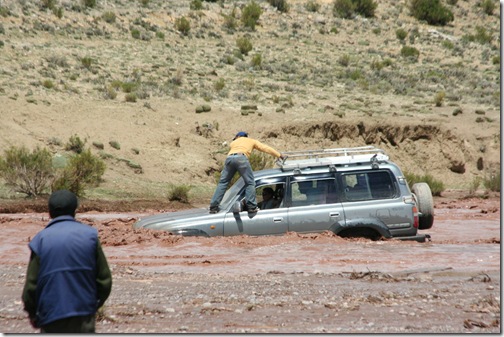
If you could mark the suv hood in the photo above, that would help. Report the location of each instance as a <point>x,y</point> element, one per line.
<point>167,220</point>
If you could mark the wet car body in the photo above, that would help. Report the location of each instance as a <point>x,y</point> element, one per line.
<point>351,194</point>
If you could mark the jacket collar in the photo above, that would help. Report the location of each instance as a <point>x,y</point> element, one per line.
<point>60,218</point>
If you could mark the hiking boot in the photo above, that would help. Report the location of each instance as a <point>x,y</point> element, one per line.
<point>214,210</point>
<point>253,210</point>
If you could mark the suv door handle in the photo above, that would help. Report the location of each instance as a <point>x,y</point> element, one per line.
<point>334,214</point>
<point>277,219</point>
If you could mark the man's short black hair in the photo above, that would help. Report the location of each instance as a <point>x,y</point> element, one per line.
<point>62,202</point>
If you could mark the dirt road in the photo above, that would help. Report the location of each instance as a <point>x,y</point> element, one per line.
<point>288,284</point>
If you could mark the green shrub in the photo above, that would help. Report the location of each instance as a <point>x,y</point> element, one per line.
<point>230,21</point>
<point>89,3</point>
<point>179,193</point>
<point>344,60</point>
<point>251,14</point>
<point>115,144</point>
<point>4,11</point>
<point>256,61</point>
<point>75,144</point>
<point>87,62</point>
<point>196,5</point>
<point>131,97</point>
<point>49,4</point>
<point>401,34</point>
<point>492,181</point>
<point>488,6</point>
<point>129,86</point>
<point>183,25</point>
<point>482,36</point>
<point>475,183</point>
<point>439,97</point>
<point>244,45</point>
<point>410,52</point>
<point>281,5</point>
<point>343,9</point>
<point>82,170</point>
<point>58,12</point>
<point>110,92</point>
<point>135,33</point>
<point>346,9</point>
<point>447,44</point>
<point>365,8</point>
<point>312,6</point>
<point>219,84</point>
<point>431,11</point>
<point>25,172</point>
<point>48,84</point>
<point>436,186</point>
<point>109,17</point>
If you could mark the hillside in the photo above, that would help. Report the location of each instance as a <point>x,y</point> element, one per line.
<point>318,81</point>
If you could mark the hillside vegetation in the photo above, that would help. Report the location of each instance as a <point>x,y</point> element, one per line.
<point>158,88</point>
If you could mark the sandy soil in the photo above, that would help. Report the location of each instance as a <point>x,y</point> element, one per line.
<point>285,284</point>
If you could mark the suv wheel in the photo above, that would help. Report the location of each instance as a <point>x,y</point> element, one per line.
<point>425,203</point>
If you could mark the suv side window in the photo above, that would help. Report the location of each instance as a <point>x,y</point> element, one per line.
<point>368,185</point>
<point>270,196</point>
<point>313,192</point>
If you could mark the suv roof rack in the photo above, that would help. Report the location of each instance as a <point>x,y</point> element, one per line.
<point>332,157</point>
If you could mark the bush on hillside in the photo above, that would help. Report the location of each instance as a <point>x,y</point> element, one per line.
<point>436,186</point>
<point>82,170</point>
<point>251,14</point>
<point>492,181</point>
<point>25,172</point>
<point>183,25</point>
<point>179,193</point>
<point>431,11</point>
<point>281,5</point>
<point>75,144</point>
<point>244,45</point>
<point>348,8</point>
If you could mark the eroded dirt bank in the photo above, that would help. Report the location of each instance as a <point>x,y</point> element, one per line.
<point>286,284</point>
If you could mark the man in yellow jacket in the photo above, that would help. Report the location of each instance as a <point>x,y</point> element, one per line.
<point>237,160</point>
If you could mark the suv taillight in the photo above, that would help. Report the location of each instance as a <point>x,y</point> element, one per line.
<point>415,217</point>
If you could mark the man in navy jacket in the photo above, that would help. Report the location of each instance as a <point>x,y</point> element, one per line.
<point>68,277</point>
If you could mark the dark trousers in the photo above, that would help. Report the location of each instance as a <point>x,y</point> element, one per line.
<point>82,324</point>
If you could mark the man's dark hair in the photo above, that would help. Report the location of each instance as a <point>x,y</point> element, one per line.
<point>269,190</point>
<point>62,202</point>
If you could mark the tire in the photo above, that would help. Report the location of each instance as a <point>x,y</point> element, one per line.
<point>425,203</point>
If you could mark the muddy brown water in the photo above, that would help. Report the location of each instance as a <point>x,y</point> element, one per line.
<point>289,283</point>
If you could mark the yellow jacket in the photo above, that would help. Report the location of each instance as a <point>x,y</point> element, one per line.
<point>245,145</point>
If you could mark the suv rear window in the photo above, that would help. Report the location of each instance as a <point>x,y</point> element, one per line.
<point>368,185</point>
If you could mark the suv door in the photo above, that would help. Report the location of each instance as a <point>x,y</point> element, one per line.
<point>314,203</point>
<point>265,222</point>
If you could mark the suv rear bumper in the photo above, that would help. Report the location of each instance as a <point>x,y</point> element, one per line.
<point>417,238</point>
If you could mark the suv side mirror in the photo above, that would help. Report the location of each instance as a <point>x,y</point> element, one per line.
<point>236,207</point>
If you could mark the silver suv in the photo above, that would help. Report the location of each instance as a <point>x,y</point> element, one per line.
<point>353,192</point>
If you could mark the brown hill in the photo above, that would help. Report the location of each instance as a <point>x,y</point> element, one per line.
<point>318,81</point>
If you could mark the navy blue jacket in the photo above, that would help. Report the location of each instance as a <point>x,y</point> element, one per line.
<point>67,275</point>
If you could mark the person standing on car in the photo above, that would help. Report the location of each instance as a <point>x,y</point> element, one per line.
<point>68,277</point>
<point>237,161</point>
